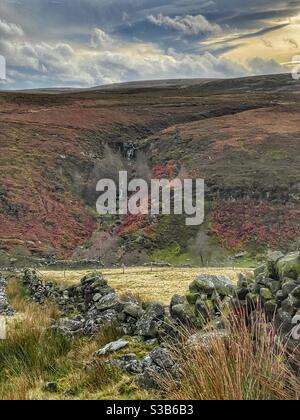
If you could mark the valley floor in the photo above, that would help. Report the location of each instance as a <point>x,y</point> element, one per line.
<point>157,284</point>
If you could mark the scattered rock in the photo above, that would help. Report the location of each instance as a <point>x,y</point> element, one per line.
<point>112,347</point>
<point>129,364</point>
<point>50,387</point>
<point>68,326</point>
<point>157,363</point>
<point>162,358</point>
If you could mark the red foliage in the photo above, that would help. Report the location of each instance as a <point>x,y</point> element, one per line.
<point>44,219</point>
<point>132,223</point>
<point>255,223</point>
<point>39,209</point>
<point>166,170</point>
<point>149,232</point>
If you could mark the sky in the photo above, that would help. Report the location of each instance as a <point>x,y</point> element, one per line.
<point>83,43</point>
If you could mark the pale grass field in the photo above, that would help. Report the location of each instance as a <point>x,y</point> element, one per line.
<point>160,284</point>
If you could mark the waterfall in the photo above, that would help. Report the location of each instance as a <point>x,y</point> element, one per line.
<point>129,151</point>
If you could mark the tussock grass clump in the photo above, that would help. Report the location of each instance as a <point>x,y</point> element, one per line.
<point>32,351</point>
<point>247,363</point>
<point>31,344</point>
<point>33,354</point>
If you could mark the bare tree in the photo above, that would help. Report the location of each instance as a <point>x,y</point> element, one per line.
<point>201,247</point>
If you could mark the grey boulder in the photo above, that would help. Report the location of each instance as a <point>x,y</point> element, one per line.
<point>112,347</point>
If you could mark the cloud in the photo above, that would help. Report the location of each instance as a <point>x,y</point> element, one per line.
<point>10,30</point>
<point>259,66</point>
<point>188,25</point>
<point>107,59</point>
<point>101,39</point>
<point>51,43</point>
<point>156,64</point>
<point>292,43</point>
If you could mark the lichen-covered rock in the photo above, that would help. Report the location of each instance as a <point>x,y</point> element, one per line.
<point>252,299</point>
<point>296,292</point>
<point>288,306</point>
<point>148,380</point>
<point>159,362</point>
<point>266,294</point>
<point>38,290</point>
<point>204,309</point>
<point>205,339</point>
<point>69,327</point>
<point>272,260</point>
<point>112,347</point>
<point>128,363</point>
<point>110,301</point>
<point>283,322</point>
<point>273,285</point>
<point>270,309</point>
<point>207,284</point>
<point>177,300</point>
<point>202,284</point>
<point>96,303</point>
<point>242,293</point>
<point>133,310</point>
<point>184,314</point>
<point>288,286</point>
<point>244,281</point>
<point>192,298</point>
<point>162,358</point>
<point>295,302</point>
<point>289,266</point>
<point>149,323</point>
<point>280,296</point>
<point>150,368</point>
<point>97,297</point>
<point>261,272</point>
<point>275,288</point>
<point>95,280</point>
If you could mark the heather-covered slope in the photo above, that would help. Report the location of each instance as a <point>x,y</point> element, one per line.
<point>251,165</point>
<point>241,135</point>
